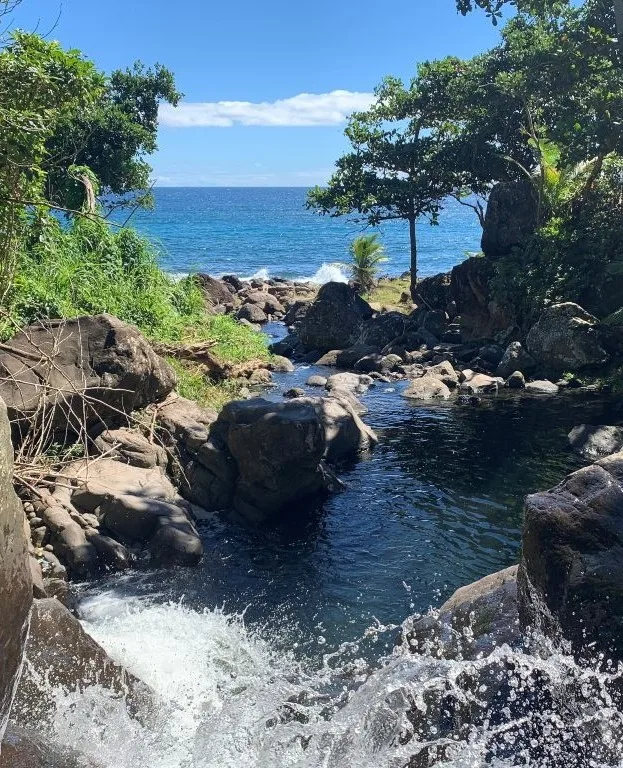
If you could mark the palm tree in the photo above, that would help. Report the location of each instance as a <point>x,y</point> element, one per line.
<point>366,254</point>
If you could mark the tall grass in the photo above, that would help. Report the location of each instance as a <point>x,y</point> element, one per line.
<point>88,268</point>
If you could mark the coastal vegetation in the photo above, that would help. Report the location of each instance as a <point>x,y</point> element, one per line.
<point>366,253</point>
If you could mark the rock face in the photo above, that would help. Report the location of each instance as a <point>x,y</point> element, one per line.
<point>97,360</point>
<point>564,339</point>
<point>593,442</point>
<point>480,316</point>
<point>571,571</point>
<point>510,219</point>
<point>334,320</point>
<point>15,580</point>
<point>474,621</point>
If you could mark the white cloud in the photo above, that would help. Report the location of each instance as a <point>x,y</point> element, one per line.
<point>305,109</point>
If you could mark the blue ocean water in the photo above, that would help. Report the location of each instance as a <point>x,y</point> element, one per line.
<point>244,230</point>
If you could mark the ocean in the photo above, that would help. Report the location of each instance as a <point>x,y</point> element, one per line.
<point>268,231</point>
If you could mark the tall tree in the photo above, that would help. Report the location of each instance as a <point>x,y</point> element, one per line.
<point>399,166</point>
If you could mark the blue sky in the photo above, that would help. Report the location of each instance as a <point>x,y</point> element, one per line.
<point>265,57</point>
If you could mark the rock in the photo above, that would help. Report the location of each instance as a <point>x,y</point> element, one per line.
<point>426,388</point>
<point>132,448</point>
<point>345,434</point>
<point>515,358</point>
<point>253,326</point>
<point>477,619</point>
<point>286,346</point>
<point>571,571</point>
<point>61,654</point>
<point>184,422</point>
<point>479,384</point>
<point>252,313</point>
<point>491,353</point>
<point>24,748</point>
<point>593,442</point>
<point>112,555</point>
<point>294,392</point>
<point>511,218</point>
<point>330,358</point>
<point>444,372</point>
<point>433,292</point>
<point>266,302</point>
<point>316,381</point>
<point>277,448</point>
<point>353,382</point>
<point>378,363</point>
<point>435,322</point>
<point>137,506</point>
<point>260,376</point>
<point>103,369</point>
<point>234,281</point>
<point>346,396</point>
<point>382,329</point>
<point>38,588</point>
<point>480,316</point>
<point>334,320</point>
<point>280,364</point>
<point>70,542</point>
<point>217,292</point>
<point>564,339</point>
<point>296,312</point>
<point>516,380</point>
<point>542,387</point>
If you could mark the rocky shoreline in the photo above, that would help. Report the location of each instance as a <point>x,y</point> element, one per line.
<point>154,463</point>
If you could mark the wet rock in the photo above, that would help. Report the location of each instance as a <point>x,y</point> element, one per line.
<point>103,369</point>
<point>334,320</point>
<point>542,387</point>
<point>280,364</point>
<point>347,396</point>
<point>515,358</point>
<point>565,339</point>
<point>593,442</point>
<point>296,312</point>
<point>345,434</point>
<point>70,542</point>
<point>492,354</point>
<point>132,448</point>
<point>353,382</point>
<point>427,388</point>
<point>479,384</point>
<point>260,376</point>
<point>316,381</point>
<point>435,322</point>
<point>24,748</point>
<point>516,380</point>
<point>112,555</point>
<point>287,346</point>
<point>252,313</point>
<point>473,622</point>
<point>571,571</point>
<point>61,654</point>
<point>378,363</point>
<point>293,392</point>
<point>445,372</point>
<point>510,219</point>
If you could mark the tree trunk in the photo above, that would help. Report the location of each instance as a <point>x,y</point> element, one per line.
<point>618,15</point>
<point>413,268</point>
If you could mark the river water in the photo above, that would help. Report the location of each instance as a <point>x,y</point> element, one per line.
<point>304,611</point>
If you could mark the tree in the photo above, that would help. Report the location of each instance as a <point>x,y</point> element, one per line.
<point>366,254</point>
<point>399,166</point>
<point>112,139</point>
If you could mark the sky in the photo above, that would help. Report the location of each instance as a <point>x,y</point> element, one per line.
<point>267,85</point>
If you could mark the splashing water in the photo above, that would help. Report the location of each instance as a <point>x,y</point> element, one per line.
<point>327,273</point>
<point>226,698</point>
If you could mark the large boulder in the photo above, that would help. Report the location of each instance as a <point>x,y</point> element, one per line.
<point>277,449</point>
<point>480,316</point>
<point>93,368</point>
<point>428,387</point>
<point>515,358</point>
<point>511,218</point>
<point>60,654</point>
<point>334,320</point>
<point>571,571</point>
<point>472,623</point>
<point>218,293</point>
<point>565,339</point>
<point>15,579</point>
<point>345,433</point>
<point>593,442</point>
<point>382,329</point>
<point>433,292</point>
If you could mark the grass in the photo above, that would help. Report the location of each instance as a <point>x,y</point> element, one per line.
<point>88,268</point>
<point>388,292</point>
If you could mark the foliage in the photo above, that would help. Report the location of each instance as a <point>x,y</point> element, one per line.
<point>366,254</point>
<point>192,383</point>
<point>39,84</point>
<point>111,138</point>
<point>399,167</point>
<point>390,292</point>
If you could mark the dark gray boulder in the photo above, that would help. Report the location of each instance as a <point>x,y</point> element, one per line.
<point>565,339</point>
<point>571,571</point>
<point>382,329</point>
<point>334,320</point>
<point>252,313</point>
<point>510,219</point>
<point>92,367</point>
<point>217,292</point>
<point>593,442</point>
<point>515,358</point>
